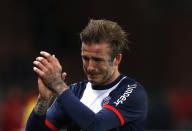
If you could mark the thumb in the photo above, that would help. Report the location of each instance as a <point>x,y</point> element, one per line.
<point>63,76</point>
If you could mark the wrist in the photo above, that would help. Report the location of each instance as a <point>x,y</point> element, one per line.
<point>60,87</point>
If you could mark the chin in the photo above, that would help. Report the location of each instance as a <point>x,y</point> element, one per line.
<point>94,82</point>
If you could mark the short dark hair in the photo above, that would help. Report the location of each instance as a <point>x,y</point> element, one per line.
<point>105,31</point>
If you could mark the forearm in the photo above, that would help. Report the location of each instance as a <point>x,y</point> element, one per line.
<point>36,123</point>
<point>84,117</point>
<point>43,104</point>
<point>36,120</point>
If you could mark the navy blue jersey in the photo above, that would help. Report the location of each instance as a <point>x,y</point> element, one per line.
<point>119,106</point>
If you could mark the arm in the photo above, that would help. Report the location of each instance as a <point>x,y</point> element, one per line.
<point>38,118</point>
<point>86,118</point>
<point>49,70</point>
<point>122,109</point>
<point>45,117</point>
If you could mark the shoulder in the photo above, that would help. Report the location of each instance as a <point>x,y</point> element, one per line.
<point>128,101</point>
<point>128,91</point>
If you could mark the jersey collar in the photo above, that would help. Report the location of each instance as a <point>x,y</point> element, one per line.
<point>104,87</point>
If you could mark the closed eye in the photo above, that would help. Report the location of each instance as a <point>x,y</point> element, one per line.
<point>85,58</point>
<point>97,60</point>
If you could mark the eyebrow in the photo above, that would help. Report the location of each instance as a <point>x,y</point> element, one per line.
<point>95,58</point>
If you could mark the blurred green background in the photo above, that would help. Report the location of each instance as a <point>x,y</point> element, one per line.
<point>160,56</point>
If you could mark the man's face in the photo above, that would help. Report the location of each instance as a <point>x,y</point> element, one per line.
<point>97,63</point>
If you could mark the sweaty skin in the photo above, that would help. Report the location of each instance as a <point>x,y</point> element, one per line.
<point>98,66</point>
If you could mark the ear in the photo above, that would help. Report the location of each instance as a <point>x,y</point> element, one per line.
<point>117,59</point>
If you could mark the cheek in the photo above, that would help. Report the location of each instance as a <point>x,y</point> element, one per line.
<point>84,68</point>
<point>84,64</point>
<point>107,69</point>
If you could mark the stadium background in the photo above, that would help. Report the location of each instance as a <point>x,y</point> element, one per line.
<point>160,55</point>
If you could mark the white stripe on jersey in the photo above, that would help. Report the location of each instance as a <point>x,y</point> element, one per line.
<point>93,98</point>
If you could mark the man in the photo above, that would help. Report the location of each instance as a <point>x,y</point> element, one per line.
<point>108,100</point>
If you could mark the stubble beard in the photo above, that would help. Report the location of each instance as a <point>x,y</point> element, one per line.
<point>101,79</point>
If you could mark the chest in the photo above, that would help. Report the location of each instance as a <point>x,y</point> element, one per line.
<point>93,99</point>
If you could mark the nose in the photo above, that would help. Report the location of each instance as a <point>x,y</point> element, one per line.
<point>91,66</point>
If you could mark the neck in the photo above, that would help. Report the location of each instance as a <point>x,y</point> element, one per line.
<point>114,76</point>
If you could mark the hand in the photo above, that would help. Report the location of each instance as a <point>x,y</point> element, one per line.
<point>49,70</point>
<point>46,97</point>
<point>45,92</point>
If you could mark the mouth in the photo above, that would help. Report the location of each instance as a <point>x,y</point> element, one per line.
<point>92,76</point>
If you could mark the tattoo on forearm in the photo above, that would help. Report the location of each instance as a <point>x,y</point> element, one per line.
<point>42,105</point>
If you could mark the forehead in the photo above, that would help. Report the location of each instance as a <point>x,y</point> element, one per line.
<point>95,48</point>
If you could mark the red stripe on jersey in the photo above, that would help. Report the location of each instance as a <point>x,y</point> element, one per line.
<point>50,125</point>
<point>119,115</point>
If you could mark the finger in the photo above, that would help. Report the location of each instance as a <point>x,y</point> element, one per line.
<point>39,65</point>
<point>64,74</point>
<point>47,55</point>
<point>38,71</point>
<point>55,59</point>
<point>42,61</point>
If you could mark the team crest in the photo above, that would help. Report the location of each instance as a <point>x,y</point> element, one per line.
<point>105,100</point>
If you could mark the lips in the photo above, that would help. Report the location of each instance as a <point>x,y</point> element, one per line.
<point>92,76</point>
<point>92,73</point>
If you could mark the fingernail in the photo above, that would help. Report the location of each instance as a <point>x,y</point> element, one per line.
<point>34,68</point>
<point>43,52</point>
<point>36,62</point>
<point>39,58</point>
